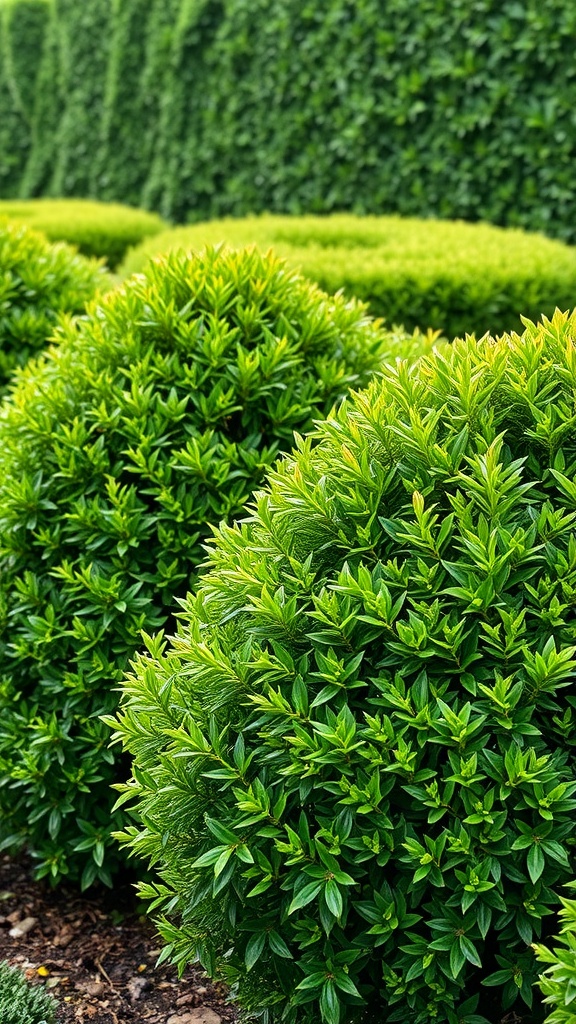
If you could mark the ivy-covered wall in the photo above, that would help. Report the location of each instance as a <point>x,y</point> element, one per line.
<point>445,108</point>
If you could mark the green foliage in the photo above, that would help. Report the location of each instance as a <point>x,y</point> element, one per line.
<point>354,765</point>
<point>454,277</point>
<point>38,283</point>
<point>183,110</point>
<point>154,418</point>
<point>97,229</point>
<point>436,108</point>
<point>20,1003</point>
<point>85,30</point>
<point>49,104</point>
<point>22,28</point>
<point>153,105</point>
<point>558,982</point>
<point>120,170</point>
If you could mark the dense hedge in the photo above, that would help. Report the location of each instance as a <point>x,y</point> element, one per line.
<point>354,766</point>
<point>454,277</point>
<point>445,109</point>
<point>155,417</point>
<point>39,283</point>
<point>106,230</point>
<point>84,43</point>
<point>22,29</point>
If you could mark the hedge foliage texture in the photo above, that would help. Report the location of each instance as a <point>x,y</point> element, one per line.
<point>454,277</point>
<point>445,108</point>
<point>99,229</point>
<point>154,417</point>
<point>39,282</point>
<point>354,765</point>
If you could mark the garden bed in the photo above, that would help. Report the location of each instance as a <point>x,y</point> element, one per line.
<point>97,955</point>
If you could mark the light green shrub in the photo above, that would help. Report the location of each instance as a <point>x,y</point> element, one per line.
<point>21,1003</point>
<point>455,277</point>
<point>151,421</point>
<point>354,765</point>
<point>38,283</point>
<point>97,229</point>
<point>558,982</point>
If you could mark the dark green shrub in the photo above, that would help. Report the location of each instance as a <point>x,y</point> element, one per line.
<point>354,765</point>
<point>454,277</point>
<point>97,229</point>
<point>20,1003</point>
<point>153,418</point>
<point>38,283</point>
<point>558,982</point>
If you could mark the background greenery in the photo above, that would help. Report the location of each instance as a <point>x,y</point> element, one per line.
<point>199,108</point>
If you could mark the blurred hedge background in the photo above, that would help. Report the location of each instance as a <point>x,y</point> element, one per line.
<point>206,108</point>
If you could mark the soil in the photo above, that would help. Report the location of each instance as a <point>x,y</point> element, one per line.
<point>97,955</point>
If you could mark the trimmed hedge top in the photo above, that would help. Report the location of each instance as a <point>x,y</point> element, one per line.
<point>154,418</point>
<point>451,276</point>
<point>98,229</point>
<point>38,283</point>
<point>354,765</point>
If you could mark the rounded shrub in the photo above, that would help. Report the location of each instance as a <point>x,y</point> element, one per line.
<point>21,1003</point>
<point>38,283</point>
<point>153,418</point>
<point>106,230</point>
<point>451,276</point>
<point>354,765</point>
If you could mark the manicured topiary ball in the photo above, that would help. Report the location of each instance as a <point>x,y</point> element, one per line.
<point>152,419</point>
<point>354,765</point>
<point>38,282</point>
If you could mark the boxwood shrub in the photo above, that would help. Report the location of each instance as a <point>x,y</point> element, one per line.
<point>97,229</point>
<point>21,1003</point>
<point>452,276</point>
<point>154,417</point>
<point>38,282</point>
<point>354,764</point>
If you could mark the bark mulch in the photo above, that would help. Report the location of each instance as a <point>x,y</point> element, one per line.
<point>97,955</point>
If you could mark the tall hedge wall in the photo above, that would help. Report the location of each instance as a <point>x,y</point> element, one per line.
<point>445,108</point>
<point>22,29</point>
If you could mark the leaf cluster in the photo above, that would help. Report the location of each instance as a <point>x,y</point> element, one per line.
<point>426,273</point>
<point>153,419</point>
<point>558,982</point>
<point>354,763</point>
<point>38,283</point>
<point>21,1003</point>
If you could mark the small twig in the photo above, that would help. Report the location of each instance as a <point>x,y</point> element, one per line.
<point>105,975</point>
